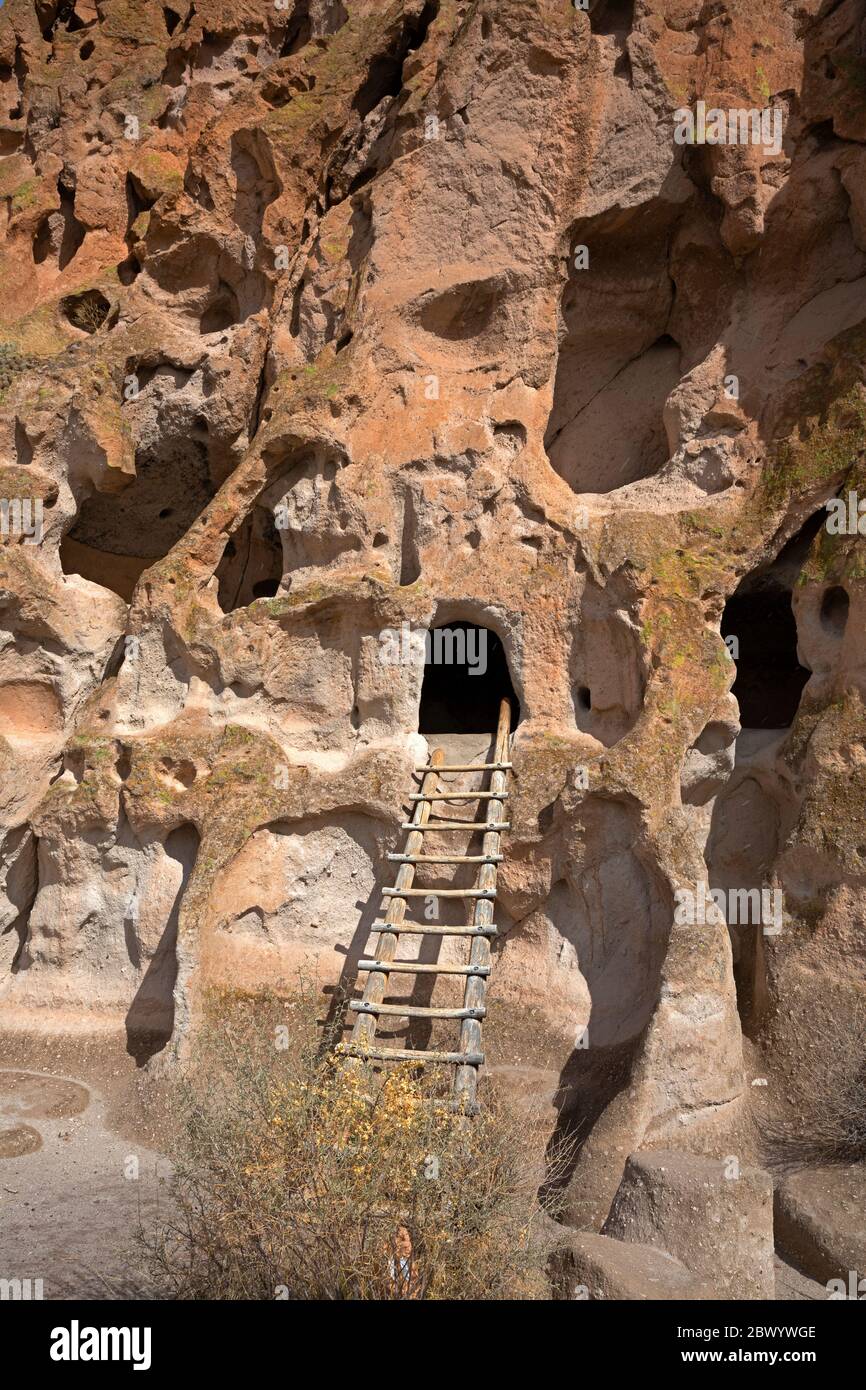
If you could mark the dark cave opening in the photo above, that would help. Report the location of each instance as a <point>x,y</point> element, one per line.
<point>385,76</point>
<point>612,16</point>
<point>770,679</point>
<point>760,619</point>
<point>299,30</point>
<point>128,270</point>
<point>252,562</point>
<point>137,200</point>
<point>86,311</point>
<point>466,677</point>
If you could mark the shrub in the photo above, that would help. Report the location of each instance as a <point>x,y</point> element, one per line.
<point>824,1119</point>
<point>299,1176</point>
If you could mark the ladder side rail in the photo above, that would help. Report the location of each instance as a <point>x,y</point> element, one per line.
<point>364,1030</point>
<point>466,1074</point>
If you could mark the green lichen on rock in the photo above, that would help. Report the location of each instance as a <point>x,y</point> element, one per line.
<point>831,734</point>
<point>829,442</point>
<point>26,195</point>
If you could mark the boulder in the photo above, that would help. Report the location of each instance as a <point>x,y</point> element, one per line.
<point>719,1226</point>
<point>587,1266</point>
<point>820,1221</point>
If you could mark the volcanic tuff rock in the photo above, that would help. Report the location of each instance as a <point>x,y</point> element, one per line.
<point>715,1217</point>
<point>298,345</point>
<point>819,1222</point>
<point>594,1267</point>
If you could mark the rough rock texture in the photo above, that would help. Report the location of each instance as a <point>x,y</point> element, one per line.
<point>819,1222</point>
<point>594,1267</point>
<point>715,1218</point>
<point>297,345</point>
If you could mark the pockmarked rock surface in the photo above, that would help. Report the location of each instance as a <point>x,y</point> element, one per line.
<point>714,1217</point>
<point>340,319</point>
<point>819,1222</point>
<point>593,1267</point>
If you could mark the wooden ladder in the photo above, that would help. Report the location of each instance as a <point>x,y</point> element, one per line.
<point>371,1007</point>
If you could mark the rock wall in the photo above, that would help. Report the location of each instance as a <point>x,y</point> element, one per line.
<point>325,318</point>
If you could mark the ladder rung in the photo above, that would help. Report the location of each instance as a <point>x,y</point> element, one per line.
<point>473,825</point>
<point>438,892</point>
<point>466,767</point>
<point>414,967</point>
<point>446,858</point>
<point>458,796</point>
<point>397,1054</point>
<point>361,1006</point>
<point>418,929</point>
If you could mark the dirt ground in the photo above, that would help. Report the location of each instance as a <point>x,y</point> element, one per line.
<point>80,1167</point>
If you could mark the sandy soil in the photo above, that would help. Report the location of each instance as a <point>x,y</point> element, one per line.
<point>80,1166</point>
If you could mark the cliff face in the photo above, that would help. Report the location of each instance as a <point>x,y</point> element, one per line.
<point>324,318</point>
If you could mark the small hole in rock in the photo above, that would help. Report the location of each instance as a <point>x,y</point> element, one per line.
<point>183,771</point>
<point>222,313</point>
<point>128,270</point>
<point>86,311</point>
<point>834,610</point>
